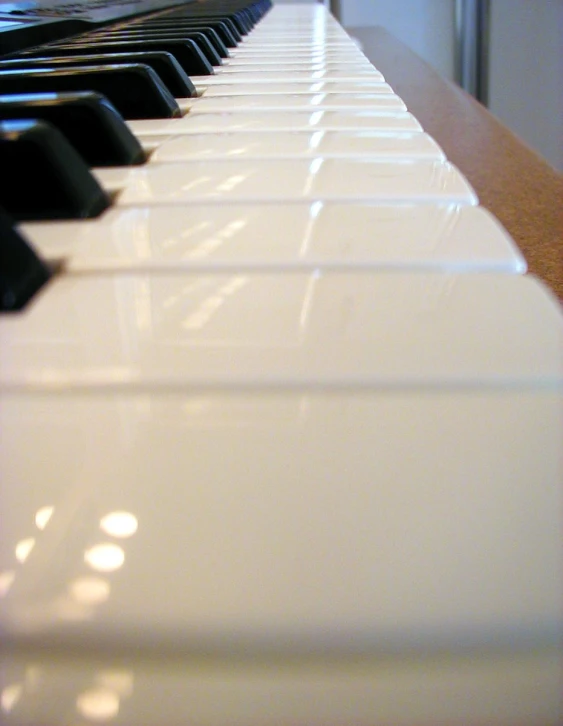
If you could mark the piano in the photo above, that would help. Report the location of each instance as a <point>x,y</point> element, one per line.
<point>281,410</point>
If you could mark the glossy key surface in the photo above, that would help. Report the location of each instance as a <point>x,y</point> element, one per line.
<point>265,180</point>
<point>61,186</point>
<point>327,144</point>
<point>134,89</point>
<point>279,121</point>
<point>279,238</point>
<point>313,330</point>
<point>90,123</point>
<point>283,552</point>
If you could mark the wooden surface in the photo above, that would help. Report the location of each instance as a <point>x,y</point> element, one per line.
<point>521,189</point>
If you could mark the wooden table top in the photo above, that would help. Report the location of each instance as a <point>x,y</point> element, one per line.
<point>517,185</point>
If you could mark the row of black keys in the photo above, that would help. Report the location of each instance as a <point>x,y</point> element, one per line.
<point>49,140</point>
<point>142,65</point>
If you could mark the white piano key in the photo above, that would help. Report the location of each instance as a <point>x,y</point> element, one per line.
<point>337,87</point>
<point>252,103</point>
<point>288,73</point>
<point>318,64</point>
<point>299,144</point>
<point>489,688</point>
<point>422,330</point>
<point>299,31</point>
<point>286,42</point>
<point>265,58</point>
<point>305,30</point>
<point>305,34</point>
<point>285,77</point>
<point>232,524</point>
<point>289,179</point>
<point>286,47</point>
<point>282,237</point>
<point>298,60</point>
<point>310,28</point>
<point>267,55</point>
<point>288,121</point>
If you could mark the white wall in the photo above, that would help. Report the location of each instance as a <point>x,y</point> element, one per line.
<point>526,82</point>
<point>427,26</point>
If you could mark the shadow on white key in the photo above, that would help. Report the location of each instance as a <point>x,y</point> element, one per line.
<point>421,330</point>
<point>282,237</point>
<point>317,525</point>
<point>282,121</point>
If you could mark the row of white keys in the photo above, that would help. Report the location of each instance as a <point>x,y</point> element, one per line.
<point>264,173</point>
<point>251,164</point>
<point>304,461</point>
<point>352,162</point>
<point>313,176</point>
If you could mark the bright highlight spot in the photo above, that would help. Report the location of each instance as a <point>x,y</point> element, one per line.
<point>99,704</point>
<point>10,696</point>
<point>105,557</point>
<point>119,524</point>
<point>23,549</point>
<point>43,516</point>
<point>6,580</point>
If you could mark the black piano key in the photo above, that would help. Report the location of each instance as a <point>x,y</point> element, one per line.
<point>240,20</point>
<point>244,20</point>
<point>203,43</point>
<point>164,64</point>
<point>135,90</point>
<point>229,22</point>
<point>210,43</point>
<point>221,29</point>
<point>22,271</point>
<point>43,176</point>
<point>17,36</point>
<point>186,52</point>
<point>88,121</point>
<point>241,23</point>
<point>228,33</point>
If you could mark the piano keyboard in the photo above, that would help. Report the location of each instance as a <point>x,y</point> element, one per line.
<point>281,435</point>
